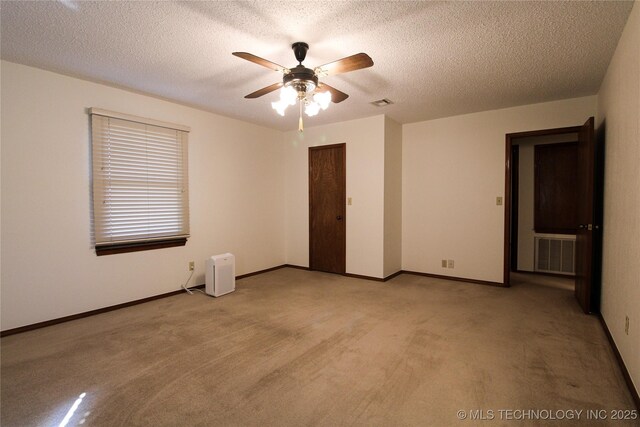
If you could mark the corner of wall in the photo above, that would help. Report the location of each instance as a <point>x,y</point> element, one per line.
<point>392,197</point>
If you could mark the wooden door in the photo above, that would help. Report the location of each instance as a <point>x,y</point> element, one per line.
<point>590,174</point>
<point>555,196</point>
<point>327,197</point>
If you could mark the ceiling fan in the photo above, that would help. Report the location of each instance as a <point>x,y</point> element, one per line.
<point>301,84</point>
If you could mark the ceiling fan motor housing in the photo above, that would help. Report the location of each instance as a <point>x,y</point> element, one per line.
<point>302,79</point>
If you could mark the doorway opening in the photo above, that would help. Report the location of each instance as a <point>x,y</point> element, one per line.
<point>557,221</point>
<point>544,203</point>
<point>520,233</point>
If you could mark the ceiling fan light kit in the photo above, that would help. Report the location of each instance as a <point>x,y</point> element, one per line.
<point>300,84</point>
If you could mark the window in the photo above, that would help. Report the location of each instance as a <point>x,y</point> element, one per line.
<point>140,183</point>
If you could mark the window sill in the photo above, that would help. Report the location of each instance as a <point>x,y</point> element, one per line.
<point>121,248</point>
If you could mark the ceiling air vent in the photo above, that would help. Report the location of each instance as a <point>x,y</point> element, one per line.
<point>382,102</point>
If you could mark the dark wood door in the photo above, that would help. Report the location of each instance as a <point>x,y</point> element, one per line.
<point>555,196</point>
<point>327,199</point>
<point>589,184</point>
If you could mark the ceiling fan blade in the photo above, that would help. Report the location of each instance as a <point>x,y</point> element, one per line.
<point>264,90</point>
<point>336,95</point>
<point>261,61</point>
<point>344,65</point>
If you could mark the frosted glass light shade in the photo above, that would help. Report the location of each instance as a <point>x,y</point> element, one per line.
<point>312,108</point>
<point>323,99</point>
<point>288,95</point>
<point>279,106</point>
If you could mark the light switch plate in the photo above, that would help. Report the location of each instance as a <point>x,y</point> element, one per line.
<point>499,201</point>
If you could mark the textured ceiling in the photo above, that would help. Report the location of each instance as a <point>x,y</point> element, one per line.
<point>432,59</point>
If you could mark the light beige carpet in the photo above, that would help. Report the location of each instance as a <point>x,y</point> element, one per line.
<point>293,347</point>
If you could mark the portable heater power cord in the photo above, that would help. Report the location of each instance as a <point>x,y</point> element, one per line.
<point>189,291</point>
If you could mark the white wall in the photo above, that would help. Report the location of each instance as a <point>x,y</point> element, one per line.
<point>49,268</point>
<point>392,197</point>
<point>364,140</point>
<point>526,249</point>
<point>453,170</point>
<point>619,112</point>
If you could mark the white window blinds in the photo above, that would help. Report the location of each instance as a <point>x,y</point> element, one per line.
<point>140,180</point>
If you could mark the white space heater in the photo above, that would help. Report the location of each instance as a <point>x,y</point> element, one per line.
<point>220,277</point>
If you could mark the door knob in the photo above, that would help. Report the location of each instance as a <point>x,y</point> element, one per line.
<point>339,217</point>
<point>582,226</point>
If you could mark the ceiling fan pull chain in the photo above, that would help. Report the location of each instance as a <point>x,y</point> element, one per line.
<point>300,125</point>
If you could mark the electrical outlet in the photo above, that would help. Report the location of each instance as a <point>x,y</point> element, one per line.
<point>192,265</point>
<point>444,263</point>
<point>450,263</point>
<point>626,325</point>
